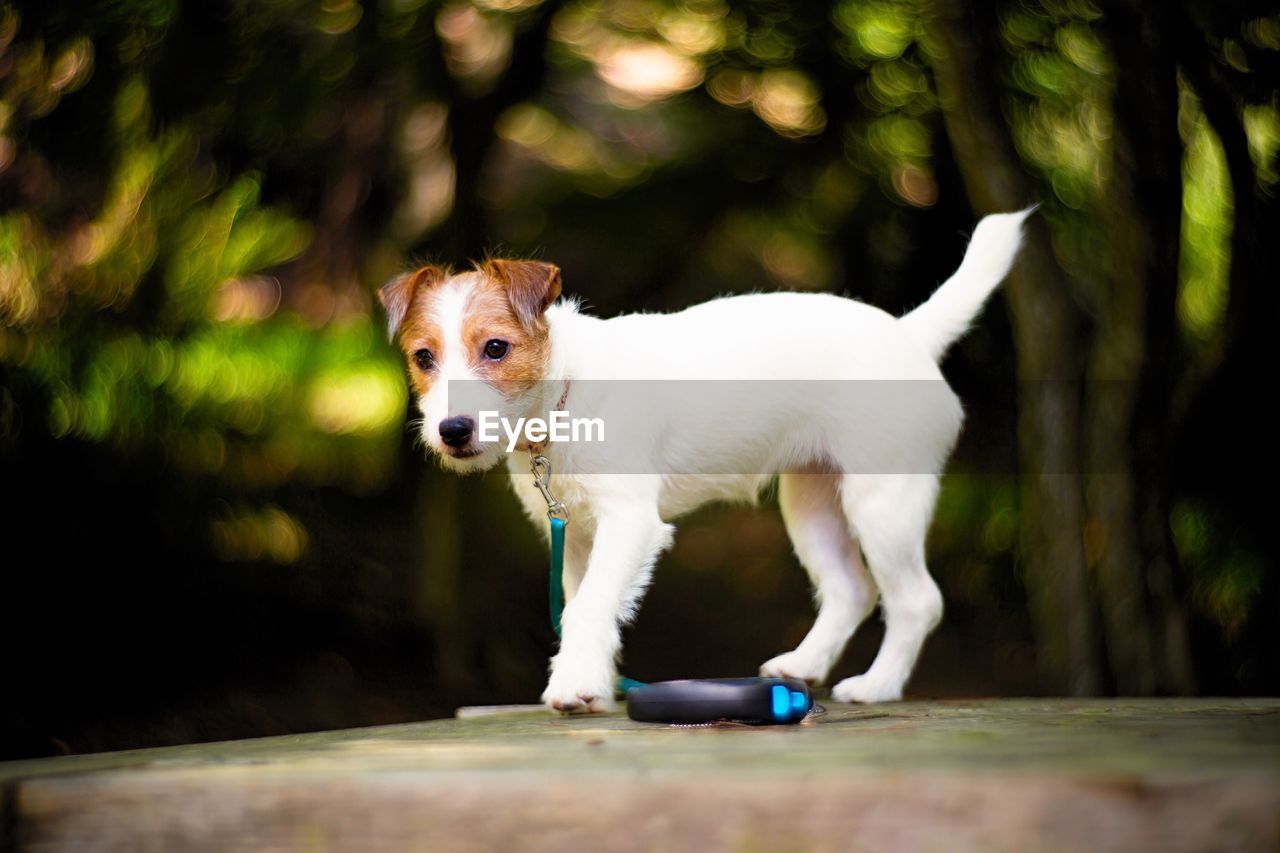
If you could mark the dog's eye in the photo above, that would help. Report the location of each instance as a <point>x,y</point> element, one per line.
<point>496,349</point>
<point>424,359</point>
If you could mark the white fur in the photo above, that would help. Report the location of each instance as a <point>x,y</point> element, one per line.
<point>947,314</point>
<point>854,481</point>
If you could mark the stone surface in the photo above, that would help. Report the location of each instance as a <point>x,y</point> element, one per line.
<point>991,775</point>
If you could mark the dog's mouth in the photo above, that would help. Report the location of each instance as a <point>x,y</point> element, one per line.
<point>468,459</point>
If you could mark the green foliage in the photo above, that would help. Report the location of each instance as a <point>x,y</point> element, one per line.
<point>1206,230</point>
<point>1226,569</point>
<point>153,327</point>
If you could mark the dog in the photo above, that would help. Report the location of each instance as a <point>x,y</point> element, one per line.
<point>856,481</point>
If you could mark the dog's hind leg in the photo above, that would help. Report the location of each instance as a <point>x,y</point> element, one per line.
<point>890,516</point>
<point>845,593</point>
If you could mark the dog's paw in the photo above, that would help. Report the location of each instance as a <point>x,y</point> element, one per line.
<point>580,704</point>
<point>795,665</point>
<point>573,690</point>
<point>865,690</point>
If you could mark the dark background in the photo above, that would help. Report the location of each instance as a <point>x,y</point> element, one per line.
<point>216,523</point>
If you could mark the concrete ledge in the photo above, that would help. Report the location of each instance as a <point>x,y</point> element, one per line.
<point>989,775</point>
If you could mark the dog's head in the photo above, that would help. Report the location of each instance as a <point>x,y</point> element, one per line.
<point>475,341</point>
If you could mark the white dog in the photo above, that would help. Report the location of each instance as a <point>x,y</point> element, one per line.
<point>857,474</point>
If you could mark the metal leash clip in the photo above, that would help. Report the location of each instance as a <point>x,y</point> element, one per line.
<point>541,468</point>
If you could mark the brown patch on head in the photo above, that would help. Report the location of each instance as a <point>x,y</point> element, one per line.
<point>398,294</point>
<point>406,299</point>
<point>530,285</point>
<point>502,308</point>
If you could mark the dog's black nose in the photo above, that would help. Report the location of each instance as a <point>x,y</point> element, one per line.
<point>456,432</point>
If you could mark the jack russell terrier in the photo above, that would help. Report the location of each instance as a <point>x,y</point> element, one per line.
<point>857,479</point>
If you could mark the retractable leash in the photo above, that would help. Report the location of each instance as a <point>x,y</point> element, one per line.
<point>759,701</point>
<point>558,516</point>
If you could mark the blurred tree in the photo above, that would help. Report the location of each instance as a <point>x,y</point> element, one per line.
<point>1229,57</point>
<point>1048,326</point>
<point>1116,519</point>
<point>1135,367</point>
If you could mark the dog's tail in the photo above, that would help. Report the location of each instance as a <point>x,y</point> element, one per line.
<point>947,314</point>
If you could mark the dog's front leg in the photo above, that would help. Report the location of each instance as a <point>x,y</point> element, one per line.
<point>627,541</point>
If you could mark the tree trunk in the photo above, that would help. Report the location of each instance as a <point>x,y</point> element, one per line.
<point>1132,368</point>
<point>1047,327</point>
<point>1206,466</point>
<point>464,236</point>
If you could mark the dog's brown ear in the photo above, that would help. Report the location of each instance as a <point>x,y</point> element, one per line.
<point>396,294</point>
<point>531,285</point>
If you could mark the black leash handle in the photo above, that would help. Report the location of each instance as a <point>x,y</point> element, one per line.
<point>760,701</point>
